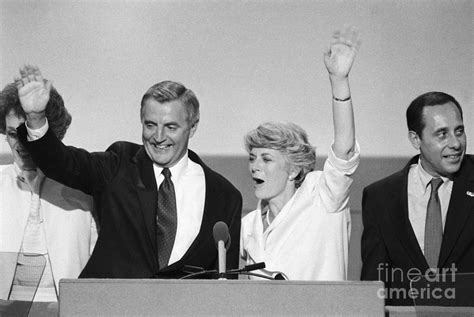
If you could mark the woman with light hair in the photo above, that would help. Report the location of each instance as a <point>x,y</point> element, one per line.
<point>301,226</point>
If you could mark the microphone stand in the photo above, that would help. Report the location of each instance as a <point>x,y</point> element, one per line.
<point>246,270</point>
<point>192,275</point>
<point>194,271</point>
<point>258,275</point>
<point>222,259</point>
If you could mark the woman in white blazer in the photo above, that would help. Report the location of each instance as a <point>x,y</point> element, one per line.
<point>47,231</point>
<point>301,226</point>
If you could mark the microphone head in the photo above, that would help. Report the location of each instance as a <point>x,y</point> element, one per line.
<point>221,232</point>
<point>279,276</point>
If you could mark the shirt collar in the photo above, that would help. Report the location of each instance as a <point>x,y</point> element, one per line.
<point>425,178</point>
<point>176,170</point>
<point>17,169</point>
<point>34,178</point>
<point>26,176</point>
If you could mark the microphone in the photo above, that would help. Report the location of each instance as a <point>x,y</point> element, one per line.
<point>270,275</point>
<point>279,276</point>
<point>222,239</point>
<point>247,269</point>
<point>253,267</point>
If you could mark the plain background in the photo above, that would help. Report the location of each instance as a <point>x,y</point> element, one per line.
<point>247,61</point>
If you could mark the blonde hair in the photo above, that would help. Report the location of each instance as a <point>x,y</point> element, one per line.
<point>288,138</point>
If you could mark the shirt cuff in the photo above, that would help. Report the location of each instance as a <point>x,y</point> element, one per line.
<point>35,134</point>
<point>347,166</point>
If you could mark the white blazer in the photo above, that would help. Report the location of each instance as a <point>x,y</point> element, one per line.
<point>71,231</point>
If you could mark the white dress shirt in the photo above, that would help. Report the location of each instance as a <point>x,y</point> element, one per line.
<point>309,238</point>
<point>419,191</point>
<point>190,190</point>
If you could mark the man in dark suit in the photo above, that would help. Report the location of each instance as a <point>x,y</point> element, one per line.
<point>157,203</point>
<point>421,218</point>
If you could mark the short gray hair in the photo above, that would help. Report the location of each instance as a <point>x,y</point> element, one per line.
<point>288,138</point>
<point>167,91</point>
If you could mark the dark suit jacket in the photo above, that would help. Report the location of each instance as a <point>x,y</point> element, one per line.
<point>389,245</point>
<point>123,185</point>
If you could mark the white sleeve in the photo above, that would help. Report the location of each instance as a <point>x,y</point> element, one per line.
<point>348,167</point>
<point>35,134</point>
<point>333,185</point>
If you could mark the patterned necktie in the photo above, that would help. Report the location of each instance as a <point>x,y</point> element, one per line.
<point>166,219</point>
<point>433,225</point>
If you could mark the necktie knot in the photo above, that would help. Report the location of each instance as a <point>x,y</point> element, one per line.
<point>166,173</point>
<point>435,184</point>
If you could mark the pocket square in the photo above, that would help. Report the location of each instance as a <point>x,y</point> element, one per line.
<point>470,194</point>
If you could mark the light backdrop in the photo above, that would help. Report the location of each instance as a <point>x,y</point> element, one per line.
<point>247,61</point>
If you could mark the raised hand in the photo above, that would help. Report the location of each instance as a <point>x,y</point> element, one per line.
<point>341,52</point>
<point>33,90</point>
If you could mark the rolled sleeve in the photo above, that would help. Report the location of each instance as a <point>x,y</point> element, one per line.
<point>336,180</point>
<point>348,167</point>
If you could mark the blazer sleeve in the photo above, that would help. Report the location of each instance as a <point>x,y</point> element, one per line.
<point>71,166</point>
<point>233,254</point>
<point>374,253</point>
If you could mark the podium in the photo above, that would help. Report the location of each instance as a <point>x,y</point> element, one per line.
<point>144,297</point>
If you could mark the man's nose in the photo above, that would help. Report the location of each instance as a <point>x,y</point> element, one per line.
<point>160,135</point>
<point>454,141</point>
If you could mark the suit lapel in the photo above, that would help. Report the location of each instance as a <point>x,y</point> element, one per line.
<point>461,207</point>
<point>144,179</point>
<point>402,222</point>
<point>211,201</point>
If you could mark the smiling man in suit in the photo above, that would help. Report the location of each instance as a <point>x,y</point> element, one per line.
<point>421,219</point>
<point>157,203</point>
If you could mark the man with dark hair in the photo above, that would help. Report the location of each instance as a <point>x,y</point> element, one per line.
<point>421,219</point>
<point>157,203</point>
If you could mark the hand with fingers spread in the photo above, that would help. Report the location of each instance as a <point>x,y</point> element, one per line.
<point>339,58</point>
<point>341,52</point>
<point>33,92</point>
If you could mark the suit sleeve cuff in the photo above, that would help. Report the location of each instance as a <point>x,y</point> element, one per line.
<point>35,134</point>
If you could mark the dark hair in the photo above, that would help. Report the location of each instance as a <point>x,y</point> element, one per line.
<point>288,138</point>
<point>167,91</point>
<point>414,113</point>
<point>58,117</point>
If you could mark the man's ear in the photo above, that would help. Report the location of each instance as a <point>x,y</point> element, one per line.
<point>415,139</point>
<point>193,128</point>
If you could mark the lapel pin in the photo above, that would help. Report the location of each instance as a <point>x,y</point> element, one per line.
<point>470,194</point>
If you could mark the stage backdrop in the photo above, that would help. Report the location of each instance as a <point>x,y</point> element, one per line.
<point>247,61</point>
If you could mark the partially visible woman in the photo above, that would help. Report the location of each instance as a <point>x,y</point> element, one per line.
<point>42,223</point>
<point>301,226</point>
